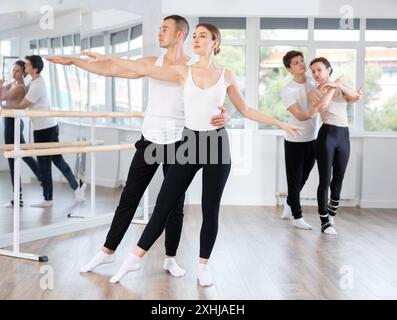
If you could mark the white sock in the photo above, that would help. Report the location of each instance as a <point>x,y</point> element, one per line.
<point>330,231</point>
<point>79,193</point>
<point>132,263</point>
<point>205,276</point>
<point>287,213</point>
<point>43,204</point>
<point>302,224</point>
<point>331,220</point>
<point>100,258</point>
<point>172,267</point>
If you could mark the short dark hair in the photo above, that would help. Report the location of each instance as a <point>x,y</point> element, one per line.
<point>181,23</point>
<point>289,56</point>
<point>21,64</point>
<point>323,61</point>
<point>36,62</point>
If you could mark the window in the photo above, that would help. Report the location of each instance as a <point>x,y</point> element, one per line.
<point>119,41</point>
<point>127,94</point>
<point>332,29</point>
<point>380,91</point>
<point>232,57</point>
<point>33,46</point>
<point>136,39</point>
<point>284,28</point>
<point>381,30</point>
<point>273,76</point>
<point>67,42</point>
<point>6,61</point>
<point>97,83</point>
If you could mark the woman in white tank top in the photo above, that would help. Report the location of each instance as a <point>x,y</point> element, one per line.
<point>333,144</point>
<point>205,147</point>
<point>11,95</point>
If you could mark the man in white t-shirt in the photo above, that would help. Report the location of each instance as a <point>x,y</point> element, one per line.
<point>299,151</point>
<point>46,129</point>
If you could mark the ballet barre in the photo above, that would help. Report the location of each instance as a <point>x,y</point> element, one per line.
<point>18,151</point>
<point>66,150</point>
<point>49,145</point>
<point>13,113</point>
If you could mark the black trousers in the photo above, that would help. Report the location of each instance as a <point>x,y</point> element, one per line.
<point>140,174</point>
<point>299,161</point>
<point>9,139</point>
<point>332,153</point>
<point>215,165</point>
<point>52,135</point>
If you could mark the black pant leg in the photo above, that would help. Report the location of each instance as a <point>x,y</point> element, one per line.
<point>214,180</point>
<point>139,176</point>
<point>325,150</point>
<point>173,229</point>
<point>175,184</point>
<point>341,159</point>
<point>45,135</point>
<point>294,163</point>
<point>309,159</point>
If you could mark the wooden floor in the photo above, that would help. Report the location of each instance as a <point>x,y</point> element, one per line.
<point>64,203</point>
<point>257,256</point>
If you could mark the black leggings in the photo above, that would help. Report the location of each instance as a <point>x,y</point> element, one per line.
<point>203,150</point>
<point>299,162</point>
<point>140,174</point>
<point>9,139</point>
<point>52,135</point>
<point>332,153</point>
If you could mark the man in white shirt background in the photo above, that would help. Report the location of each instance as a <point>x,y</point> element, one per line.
<point>299,151</point>
<point>46,129</point>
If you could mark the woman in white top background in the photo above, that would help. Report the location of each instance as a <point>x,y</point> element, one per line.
<point>333,144</point>
<point>205,87</point>
<point>12,94</point>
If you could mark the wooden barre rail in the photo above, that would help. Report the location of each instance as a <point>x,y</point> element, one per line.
<point>49,145</point>
<point>55,151</point>
<point>12,113</point>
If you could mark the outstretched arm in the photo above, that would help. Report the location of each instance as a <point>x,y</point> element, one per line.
<point>250,113</point>
<point>104,68</point>
<point>171,73</point>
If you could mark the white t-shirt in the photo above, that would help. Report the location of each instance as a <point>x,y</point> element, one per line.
<point>291,94</point>
<point>164,115</point>
<point>37,95</point>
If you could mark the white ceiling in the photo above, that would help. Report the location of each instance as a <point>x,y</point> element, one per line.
<point>20,13</point>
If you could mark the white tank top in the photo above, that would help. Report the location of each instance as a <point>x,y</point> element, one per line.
<point>336,113</point>
<point>202,104</point>
<point>164,115</point>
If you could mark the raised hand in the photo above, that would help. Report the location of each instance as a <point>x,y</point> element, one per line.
<point>97,57</point>
<point>66,61</point>
<point>293,130</point>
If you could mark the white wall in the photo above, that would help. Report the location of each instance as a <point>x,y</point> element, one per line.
<point>379,176</point>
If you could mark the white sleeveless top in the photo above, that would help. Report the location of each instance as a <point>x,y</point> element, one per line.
<point>336,113</point>
<point>202,104</point>
<point>164,115</point>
